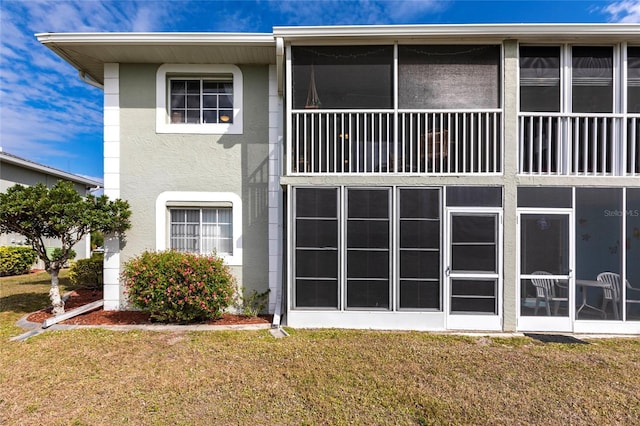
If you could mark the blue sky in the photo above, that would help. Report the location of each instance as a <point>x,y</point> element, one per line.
<point>49,116</point>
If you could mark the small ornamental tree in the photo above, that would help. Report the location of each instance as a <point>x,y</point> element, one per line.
<point>179,287</point>
<point>61,213</point>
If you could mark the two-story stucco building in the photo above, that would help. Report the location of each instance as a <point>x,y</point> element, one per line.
<point>15,170</point>
<point>429,177</point>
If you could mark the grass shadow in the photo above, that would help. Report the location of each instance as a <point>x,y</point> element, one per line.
<point>24,303</point>
<point>28,293</point>
<point>555,338</point>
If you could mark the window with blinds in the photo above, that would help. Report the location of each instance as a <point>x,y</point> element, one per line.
<point>633,79</point>
<point>204,231</point>
<point>540,78</point>
<point>592,79</point>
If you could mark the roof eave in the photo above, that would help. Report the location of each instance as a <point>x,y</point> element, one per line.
<point>11,159</point>
<point>158,38</point>
<point>66,45</point>
<point>504,31</point>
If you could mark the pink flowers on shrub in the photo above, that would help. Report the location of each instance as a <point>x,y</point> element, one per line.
<point>179,287</point>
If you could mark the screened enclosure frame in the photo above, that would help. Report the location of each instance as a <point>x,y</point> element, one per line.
<point>396,281</point>
<point>590,257</point>
<point>318,141</point>
<point>595,140</point>
<point>542,322</point>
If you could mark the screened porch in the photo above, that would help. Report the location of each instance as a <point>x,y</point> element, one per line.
<point>395,109</point>
<point>579,110</point>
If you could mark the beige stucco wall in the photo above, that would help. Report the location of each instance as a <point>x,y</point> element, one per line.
<point>152,163</point>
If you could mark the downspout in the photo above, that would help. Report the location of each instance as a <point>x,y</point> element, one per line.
<point>280,64</point>
<point>277,315</point>
<point>90,81</point>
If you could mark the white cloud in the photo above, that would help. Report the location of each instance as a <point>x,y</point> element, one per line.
<point>46,113</point>
<point>627,11</point>
<point>354,12</point>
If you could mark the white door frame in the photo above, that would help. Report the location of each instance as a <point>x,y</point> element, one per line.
<point>547,323</point>
<point>471,321</point>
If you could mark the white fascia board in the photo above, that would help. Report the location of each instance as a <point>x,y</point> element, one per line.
<point>158,38</point>
<point>459,30</point>
<point>347,31</point>
<point>10,159</point>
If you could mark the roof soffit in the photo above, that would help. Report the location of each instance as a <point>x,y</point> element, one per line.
<point>89,52</point>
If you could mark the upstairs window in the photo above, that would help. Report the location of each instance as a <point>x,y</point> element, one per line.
<point>592,79</point>
<point>633,79</point>
<point>588,82</point>
<point>201,100</point>
<point>540,78</point>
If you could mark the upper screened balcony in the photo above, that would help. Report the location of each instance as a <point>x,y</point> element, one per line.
<point>406,109</point>
<point>579,110</point>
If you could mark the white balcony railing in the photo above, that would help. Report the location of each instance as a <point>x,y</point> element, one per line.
<point>579,144</point>
<point>388,142</point>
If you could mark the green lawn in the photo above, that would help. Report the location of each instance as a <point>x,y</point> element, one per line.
<point>100,377</point>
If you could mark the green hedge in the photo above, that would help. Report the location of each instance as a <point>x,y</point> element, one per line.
<point>179,287</point>
<point>16,260</point>
<point>88,273</point>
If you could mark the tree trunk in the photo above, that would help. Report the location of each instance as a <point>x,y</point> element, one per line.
<point>54,293</point>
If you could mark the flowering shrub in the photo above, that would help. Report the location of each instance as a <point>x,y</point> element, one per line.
<point>179,287</point>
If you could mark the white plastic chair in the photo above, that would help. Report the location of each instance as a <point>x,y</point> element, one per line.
<point>545,291</point>
<point>633,296</point>
<point>611,292</point>
<point>614,294</point>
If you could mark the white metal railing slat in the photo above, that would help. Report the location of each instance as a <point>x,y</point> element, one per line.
<point>372,142</point>
<point>578,144</point>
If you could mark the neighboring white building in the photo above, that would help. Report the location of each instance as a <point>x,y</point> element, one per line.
<point>426,177</point>
<point>15,170</point>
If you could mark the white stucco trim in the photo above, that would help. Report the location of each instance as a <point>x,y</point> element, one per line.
<point>112,291</point>
<point>168,197</point>
<point>163,125</point>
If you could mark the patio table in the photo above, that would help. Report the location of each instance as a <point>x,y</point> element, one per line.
<point>586,284</point>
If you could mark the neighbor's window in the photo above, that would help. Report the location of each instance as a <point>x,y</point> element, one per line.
<point>201,100</point>
<point>540,78</point>
<point>633,79</point>
<point>204,231</point>
<point>592,79</point>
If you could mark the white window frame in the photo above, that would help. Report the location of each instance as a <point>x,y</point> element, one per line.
<point>619,52</point>
<point>194,199</point>
<point>163,121</point>
<point>200,237</point>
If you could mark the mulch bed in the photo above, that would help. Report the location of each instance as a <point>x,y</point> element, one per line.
<point>81,297</point>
